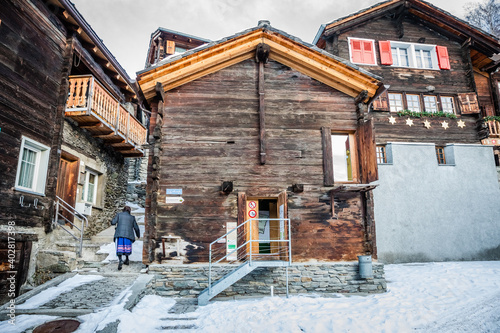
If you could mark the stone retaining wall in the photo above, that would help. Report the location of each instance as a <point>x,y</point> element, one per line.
<point>190,280</point>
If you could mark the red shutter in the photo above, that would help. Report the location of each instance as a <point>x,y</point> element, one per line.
<point>368,53</point>
<point>356,51</point>
<point>385,52</point>
<point>443,58</point>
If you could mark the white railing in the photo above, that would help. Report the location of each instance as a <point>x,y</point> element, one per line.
<point>280,247</point>
<point>61,207</point>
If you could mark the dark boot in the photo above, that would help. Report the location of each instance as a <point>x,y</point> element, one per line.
<point>120,262</point>
<point>126,262</point>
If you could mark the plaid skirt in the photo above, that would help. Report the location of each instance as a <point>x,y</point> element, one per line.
<point>123,246</point>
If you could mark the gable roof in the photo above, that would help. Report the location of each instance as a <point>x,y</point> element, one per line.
<point>432,16</point>
<point>290,51</point>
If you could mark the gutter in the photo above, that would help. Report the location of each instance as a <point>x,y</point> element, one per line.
<point>75,14</point>
<point>319,33</point>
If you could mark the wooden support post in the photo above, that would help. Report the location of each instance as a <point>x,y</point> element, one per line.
<point>262,56</point>
<point>262,117</point>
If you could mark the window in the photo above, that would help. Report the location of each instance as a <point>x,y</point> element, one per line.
<point>32,166</point>
<point>440,154</point>
<point>362,51</point>
<point>430,103</point>
<point>419,56</point>
<point>396,102</point>
<point>400,56</point>
<point>413,102</point>
<point>343,156</point>
<point>448,104</point>
<point>381,155</point>
<point>180,50</point>
<point>89,192</point>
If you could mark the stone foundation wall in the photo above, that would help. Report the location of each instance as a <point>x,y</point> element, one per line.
<point>324,278</point>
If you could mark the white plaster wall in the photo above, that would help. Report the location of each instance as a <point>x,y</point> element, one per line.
<point>428,212</point>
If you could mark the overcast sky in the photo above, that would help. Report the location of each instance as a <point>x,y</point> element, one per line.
<point>125,26</point>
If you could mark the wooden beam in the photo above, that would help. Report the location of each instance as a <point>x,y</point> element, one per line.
<point>262,119</point>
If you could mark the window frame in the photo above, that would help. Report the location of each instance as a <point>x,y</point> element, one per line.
<point>391,104</point>
<point>453,104</point>
<point>412,102</point>
<point>381,153</point>
<point>374,55</point>
<point>41,166</point>
<point>412,49</point>
<point>353,158</point>
<point>85,187</point>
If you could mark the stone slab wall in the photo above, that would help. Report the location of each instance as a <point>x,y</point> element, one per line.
<point>324,278</point>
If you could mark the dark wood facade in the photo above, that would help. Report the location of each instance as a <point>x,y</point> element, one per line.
<point>42,44</point>
<point>165,42</point>
<point>215,129</point>
<point>416,22</point>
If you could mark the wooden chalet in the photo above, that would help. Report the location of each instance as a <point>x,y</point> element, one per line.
<point>165,43</point>
<point>252,131</point>
<point>69,114</point>
<point>441,100</point>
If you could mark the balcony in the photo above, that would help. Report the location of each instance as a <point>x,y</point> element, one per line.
<point>493,129</point>
<point>96,110</point>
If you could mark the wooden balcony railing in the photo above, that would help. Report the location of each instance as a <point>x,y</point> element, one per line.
<point>494,128</point>
<point>493,132</point>
<point>96,110</point>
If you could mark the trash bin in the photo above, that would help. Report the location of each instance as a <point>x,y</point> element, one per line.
<point>365,266</point>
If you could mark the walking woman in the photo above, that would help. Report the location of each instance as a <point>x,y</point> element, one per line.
<point>124,234</point>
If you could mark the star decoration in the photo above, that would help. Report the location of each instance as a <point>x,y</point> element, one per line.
<point>444,124</point>
<point>409,122</point>
<point>461,123</point>
<point>392,120</point>
<point>427,124</point>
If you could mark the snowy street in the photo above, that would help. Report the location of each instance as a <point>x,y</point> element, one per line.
<point>428,297</point>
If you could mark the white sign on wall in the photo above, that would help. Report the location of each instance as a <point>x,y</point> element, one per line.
<point>232,241</point>
<point>282,222</point>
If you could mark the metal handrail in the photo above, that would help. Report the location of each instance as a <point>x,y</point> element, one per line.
<point>250,241</point>
<point>60,203</point>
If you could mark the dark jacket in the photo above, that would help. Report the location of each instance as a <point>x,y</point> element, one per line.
<point>125,226</point>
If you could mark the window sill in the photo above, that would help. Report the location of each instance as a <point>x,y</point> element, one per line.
<point>452,165</point>
<point>384,163</point>
<point>20,189</point>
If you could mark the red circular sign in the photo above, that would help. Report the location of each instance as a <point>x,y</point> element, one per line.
<point>252,213</point>
<point>252,204</point>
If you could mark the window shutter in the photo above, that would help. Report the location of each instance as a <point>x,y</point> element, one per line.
<point>468,103</point>
<point>443,58</point>
<point>368,53</point>
<point>170,47</point>
<point>326,134</point>
<point>356,51</point>
<point>381,103</point>
<point>367,153</point>
<point>385,52</point>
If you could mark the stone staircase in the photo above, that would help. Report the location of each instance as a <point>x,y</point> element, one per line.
<point>62,256</point>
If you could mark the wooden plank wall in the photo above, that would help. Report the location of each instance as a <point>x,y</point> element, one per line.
<point>32,51</point>
<point>210,134</point>
<point>457,80</point>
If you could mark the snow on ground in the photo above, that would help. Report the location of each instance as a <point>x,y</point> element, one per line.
<point>431,297</point>
<point>135,208</point>
<point>53,292</point>
<point>24,322</point>
<point>426,297</point>
<point>111,250</point>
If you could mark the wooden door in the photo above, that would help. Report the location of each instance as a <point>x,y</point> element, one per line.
<point>252,227</point>
<point>283,225</point>
<point>14,265</point>
<point>67,180</point>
